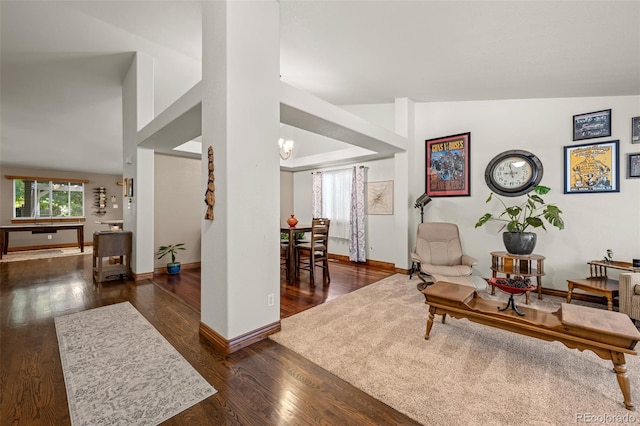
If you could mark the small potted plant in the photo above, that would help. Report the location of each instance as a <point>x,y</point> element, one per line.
<point>173,267</point>
<point>517,219</point>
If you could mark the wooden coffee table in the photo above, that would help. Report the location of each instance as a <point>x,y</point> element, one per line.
<point>602,286</point>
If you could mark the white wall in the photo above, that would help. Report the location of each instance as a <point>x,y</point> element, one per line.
<point>594,222</point>
<point>286,196</point>
<point>177,202</point>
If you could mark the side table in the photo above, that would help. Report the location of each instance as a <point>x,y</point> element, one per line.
<point>531,265</point>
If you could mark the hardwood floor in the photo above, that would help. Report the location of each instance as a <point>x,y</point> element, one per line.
<point>263,384</point>
<point>295,298</point>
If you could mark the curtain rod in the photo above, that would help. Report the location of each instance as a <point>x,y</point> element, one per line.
<point>337,170</point>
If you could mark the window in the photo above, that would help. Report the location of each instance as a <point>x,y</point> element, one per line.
<point>54,199</point>
<point>336,201</point>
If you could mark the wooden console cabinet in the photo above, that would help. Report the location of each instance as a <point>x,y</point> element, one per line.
<point>108,245</point>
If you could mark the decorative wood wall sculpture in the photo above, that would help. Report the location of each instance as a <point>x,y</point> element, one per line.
<point>210,196</point>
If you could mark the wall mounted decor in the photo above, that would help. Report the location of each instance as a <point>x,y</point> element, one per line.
<point>633,165</point>
<point>447,166</point>
<point>209,195</point>
<point>592,168</point>
<point>100,200</point>
<point>592,125</point>
<point>635,130</point>
<point>380,197</point>
<point>128,187</point>
<point>514,172</point>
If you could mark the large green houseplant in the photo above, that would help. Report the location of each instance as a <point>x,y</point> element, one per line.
<point>518,218</point>
<point>173,267</point>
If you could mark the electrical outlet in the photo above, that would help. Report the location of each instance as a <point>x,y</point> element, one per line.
<point>49,237</point>
<point>270,299</point>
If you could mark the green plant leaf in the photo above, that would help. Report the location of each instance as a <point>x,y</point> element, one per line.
<point>484,219</point>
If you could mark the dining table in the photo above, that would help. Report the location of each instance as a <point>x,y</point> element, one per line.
<point>292,231</point>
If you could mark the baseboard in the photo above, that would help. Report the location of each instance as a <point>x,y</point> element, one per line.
<point>384,266</point>
<point>142,277</point>
<point>227,347</point>
<point>192,265</point>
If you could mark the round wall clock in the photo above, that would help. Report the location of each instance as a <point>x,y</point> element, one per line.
<point>514,172</point>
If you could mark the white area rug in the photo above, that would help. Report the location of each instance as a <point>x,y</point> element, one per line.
<point>16,256</point>
<point>119,370</point>
<point>466,373</point>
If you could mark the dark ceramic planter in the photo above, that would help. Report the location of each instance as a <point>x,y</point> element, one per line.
<point>521,243</point>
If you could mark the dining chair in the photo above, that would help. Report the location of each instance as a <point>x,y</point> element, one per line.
<point>314,253</point>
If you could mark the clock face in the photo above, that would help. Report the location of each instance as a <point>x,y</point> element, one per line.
<point>513,173</point>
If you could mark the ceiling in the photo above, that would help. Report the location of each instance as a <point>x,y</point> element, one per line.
<point>62,63</point>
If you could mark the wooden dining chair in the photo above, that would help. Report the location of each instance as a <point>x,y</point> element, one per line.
<point>315,253</point>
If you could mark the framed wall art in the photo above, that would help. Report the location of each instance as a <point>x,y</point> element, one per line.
<point>591,168</point>
<point>447,166</point>
<point>635,130</point>
<point>633,165</point>
<point>592,125</point>
<point>380,197</point>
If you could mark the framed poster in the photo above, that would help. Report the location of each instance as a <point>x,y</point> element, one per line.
<point>633,161</point>
<point>592,125</point>
<point>592,168</point>
<point>635,130</point>
<point>380,197</point>
<point>447,166</point>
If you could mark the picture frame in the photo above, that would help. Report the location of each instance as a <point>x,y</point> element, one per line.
<point>447,166</point>
<point>591,125</point>
<point>128,187</point>
<point>379,197</point>
<point>633,165</point>
<point>592,168</point>
<point>635,130</point>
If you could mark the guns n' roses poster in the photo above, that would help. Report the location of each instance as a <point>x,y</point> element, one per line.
<point>447,166</point>
<point>591,168</point>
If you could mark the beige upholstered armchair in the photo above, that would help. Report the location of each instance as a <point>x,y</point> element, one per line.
<point>438,256</point>
<point>630,294</point>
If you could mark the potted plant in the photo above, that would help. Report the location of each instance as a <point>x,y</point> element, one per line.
<point>173,267</point>
<point>517,219</point>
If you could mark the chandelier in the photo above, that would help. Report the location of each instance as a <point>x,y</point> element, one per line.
<point>286,147</point>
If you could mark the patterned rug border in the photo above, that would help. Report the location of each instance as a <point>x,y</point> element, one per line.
<point>101,391</point>
<point>23,255</point>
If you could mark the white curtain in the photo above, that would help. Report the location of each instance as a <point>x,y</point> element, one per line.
<point>336,201</point>
<point>316,198</point>
<point>357,239</point>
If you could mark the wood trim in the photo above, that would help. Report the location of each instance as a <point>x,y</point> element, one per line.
<point>227,347</point>
<point>377,264</point>
<point>401,271</point>
<point>142,277</point>
<point>40,178</point>
<point>49,220</point>
<point>192,265</point>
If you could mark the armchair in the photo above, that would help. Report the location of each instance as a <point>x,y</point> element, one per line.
<point>629,294</point>
<point>438,256</point>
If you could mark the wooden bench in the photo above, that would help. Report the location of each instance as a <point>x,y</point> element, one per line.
<point>608,334</point>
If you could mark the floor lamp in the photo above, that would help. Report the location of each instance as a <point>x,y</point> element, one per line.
<point>422,201</point>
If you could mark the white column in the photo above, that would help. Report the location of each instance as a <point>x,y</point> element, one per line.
<point>240,120</point>
<point>137,111</point>
<point>403,171</point>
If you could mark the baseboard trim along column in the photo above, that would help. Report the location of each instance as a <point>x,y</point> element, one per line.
<point>227,347</point>
<point>141,277</point>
